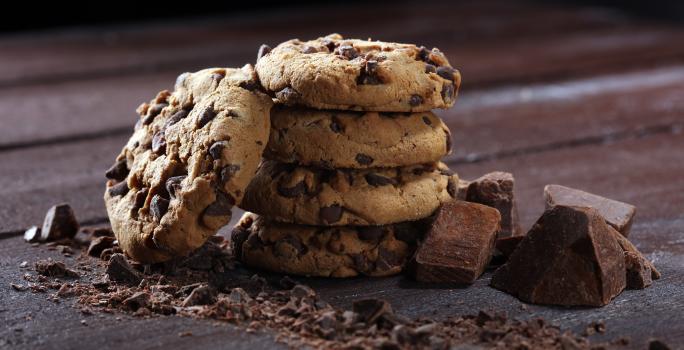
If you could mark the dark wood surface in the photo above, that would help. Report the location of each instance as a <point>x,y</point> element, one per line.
<point>580,96</point>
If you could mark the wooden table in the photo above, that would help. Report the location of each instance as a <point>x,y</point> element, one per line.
<point>580,96</point>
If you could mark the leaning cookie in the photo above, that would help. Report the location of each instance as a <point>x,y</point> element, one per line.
<point>340,197</point>
<point>339,139</point>
<point>323,251</point>
<point>337,73</point>
<point>188,162</point>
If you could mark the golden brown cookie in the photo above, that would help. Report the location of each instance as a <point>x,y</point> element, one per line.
<point>191,156</point>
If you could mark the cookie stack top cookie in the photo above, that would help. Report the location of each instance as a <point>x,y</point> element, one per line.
<point>348,74</point>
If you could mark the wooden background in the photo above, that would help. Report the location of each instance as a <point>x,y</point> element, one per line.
<point>580,96</point>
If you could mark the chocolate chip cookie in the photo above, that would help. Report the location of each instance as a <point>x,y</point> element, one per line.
<point>324,251</point>
<point>337,73</point>
<point>346,139</point>
<point>338,197</point>
<point>191,156</point>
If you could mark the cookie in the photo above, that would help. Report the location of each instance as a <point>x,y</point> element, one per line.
<point>324,251</point>
<point>340,197</point>
<point>339,139</point>
<point>189,160</point>
<point>337,73</point>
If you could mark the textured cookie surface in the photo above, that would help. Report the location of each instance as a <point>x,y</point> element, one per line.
<point>337,73</point>
<point>324,251</point>
<point>191,156</point>
<point>329,197</point>
<point>338,139</point>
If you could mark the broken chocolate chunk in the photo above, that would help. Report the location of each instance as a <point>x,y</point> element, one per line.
<point>99,244</point>
<point>118,171</point>
<point>636,264</point>
<point>446,72</point>
<point>200,295</point>
<point>430,68</point>
<point>369,311</point>
<point>496,190</point>
<point>288,96</point>
<point>459,244</point>
<point>137,301</point>
<point>54,269</point>
<point>152,112</point>
<point>59,223</point>
<point>347,51</point>
<point>228,171</point>
<point>120,270</point>
<point>331,214</point>
<point>173,185</point>
<point>569,257</point>
<point>336,125</point>
<point>376,180</point>
<point>119,189</point>
<point>159,206</point>
<point>216,149</point>
<point>159,143</point>
<point>140,198</point>
<point>617,214</point>
<point>507,245</point>
<point>364,159</point>
<point>175,118</point>
<point>32,234</point>
<point>263,51</point>
<point>415,100</point>
<point>369,74</point>
<point>207,115</point>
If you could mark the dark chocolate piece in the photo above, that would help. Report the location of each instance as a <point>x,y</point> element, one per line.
<point>370,310</point>
<point>99,244</point>
<point>459,244</point>
<point>59,223</point>
<point>118,171</point>
<point>636,264</point>
<point>120,270</point>
<point>569,257</point>
<point>507,245</point>
<point>54,269</point>
<point>496,190</point>
<point>201,295</point>
<point>617,214</point>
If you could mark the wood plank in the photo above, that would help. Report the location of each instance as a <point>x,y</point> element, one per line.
<point>209,41</point>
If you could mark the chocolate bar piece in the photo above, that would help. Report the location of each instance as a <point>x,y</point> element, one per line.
<point>59,223</point>
<point>496,190</point>
<point>640,271</point>
<point>459,244</point>
<point>617,214</point>
<point>507,245</point>
<point>569,257</point>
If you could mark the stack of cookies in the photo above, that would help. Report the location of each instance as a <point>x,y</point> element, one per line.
<point>352,165</point>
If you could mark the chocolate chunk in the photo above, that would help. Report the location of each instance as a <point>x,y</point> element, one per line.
<point>288,96</point>
<point>159,206</point>
<point>459,244</point>
<point>452,188</point>
<point>617,214</point>
<point>331,214</point>
<point>99,244</point>
<point>635,268</point>
<point>120,270</point>
<point>370,311</point>
<point>119,189</point>
<point>430,68</point>
<point>347,51</point>
<point>415,100</point>
<point>54,269</point>
<point>369,74</point>
<point>216,149</point>
<point>221,206</point>
<point>448,141</point>
<point>118,171</point>
<point>59,223</point>
<point>207,115</point>
<point>294,191</point>
<point>173,185</point>
<point>228,171</point>
<point>336,125</point>
<point>376,180</point>
<point>496,190</point>
<point>569,257</point>
<point>201,295</point>
<point>370,233</point>
<point>263,51</point>
<point>364,159</point>
<point>153,112</point>
<point>309,49</point>
<point>423,54</point>
<point>448,92</point>
<point>446,72</point>
<point>237,237</point>
<point>427,120</point>
<point>32,234</point>
<point>159,143</point>
<point>175,118</point>
<point>507,245</point>
<point>249,85</point>
<point>330,44</point>
<point>137,301</point>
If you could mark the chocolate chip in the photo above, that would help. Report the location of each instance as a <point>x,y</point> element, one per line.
<point>427,120</point>
<point>448,92</point>
<point>250,85</point>
<point>216,149</point>
<point>331,214</point>
<point>140,198</point>
<point>159,143</point>
<point>176,117</point>
<point>119,189</point>
<point>159,206</point>
<point>221,206</point>
<point>330,44</point>
<point>309,49</point>
<point>288,95</point>
<point>336,125</point>
<point>120,270</point>
<point>452,188</point>
<point>347,51</point>
<point>263,51</point>
<point>423,54</point>
<point>364,159</point>
<point>376,180</point>
<point>370,233</point>
<point>430,68</point>
<point>153,112</point>
<point>228,171</point>
<point>446,72</point>
<point>173,185</point>
<point>369,74</point>
<point>206,116</point>
<point>415,100</point>
<point>118,171</point>
<point>291,192</point>
<point>59,223</point>
<point>448,141</point>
